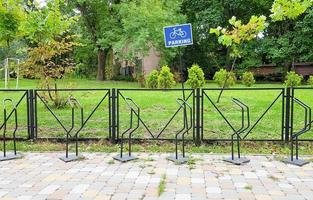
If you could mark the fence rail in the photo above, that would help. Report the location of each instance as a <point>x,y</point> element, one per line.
<point>273,113</point>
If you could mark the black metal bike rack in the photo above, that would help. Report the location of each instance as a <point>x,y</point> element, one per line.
<point>294,136</point>
<point>239,160</point>
<point>186,128</point>
<point>134,110</point>
<point>68,158</point>
<point>4,127</point>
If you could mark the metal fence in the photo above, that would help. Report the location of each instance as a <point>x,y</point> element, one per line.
<point>266,114</point>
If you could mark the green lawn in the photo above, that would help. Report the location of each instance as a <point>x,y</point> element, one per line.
<point>156,109</point>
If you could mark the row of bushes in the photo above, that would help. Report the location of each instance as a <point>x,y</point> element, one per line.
<point>166,79</point>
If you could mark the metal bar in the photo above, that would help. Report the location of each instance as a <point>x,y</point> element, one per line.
<point>198,118</point>
<point>283,115</point>
<point>35,116</point>
<point>110,118</point>
<point>218,110</point>
<point>259,119</point>
<point>94,110</point>
<point>269,88</point>
<point>29,126</point>
<point>54,115</point>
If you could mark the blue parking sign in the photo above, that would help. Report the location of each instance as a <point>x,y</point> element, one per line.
<point>178,35</point>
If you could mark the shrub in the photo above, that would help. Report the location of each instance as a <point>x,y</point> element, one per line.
<point>293,79</point>
<point>152,79</point>
<point>220,78</point>
<point>310,80</point>
<point>166,78</point>
<point>248,79</point>
<point>195,77</point>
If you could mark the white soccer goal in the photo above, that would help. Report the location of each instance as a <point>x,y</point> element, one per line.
<point>6,70</point>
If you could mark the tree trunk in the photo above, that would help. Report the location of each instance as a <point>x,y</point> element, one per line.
<point>101,64</point>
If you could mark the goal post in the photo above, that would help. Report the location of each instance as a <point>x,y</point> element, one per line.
<point>6,70</point>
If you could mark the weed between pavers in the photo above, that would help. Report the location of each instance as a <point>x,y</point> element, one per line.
<point>110,162</point>
<point>162,185</point>
<point>152,172</point>
<point>248,187</point>
<point>273,178</point>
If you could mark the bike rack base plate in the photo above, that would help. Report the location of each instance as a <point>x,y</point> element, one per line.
<point>10,157</point>
<point>124,158</point>
<point>179,159</point>
<point>237,161</point>
<point>71,158</point>
<point>296,162</point>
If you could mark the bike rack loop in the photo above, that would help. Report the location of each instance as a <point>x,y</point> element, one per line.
<point>4,126</point>
<point>73,102</point>
<point>133,111</point>
<point>239,160</point>
<point>186,128</point>
<point>294,136</point>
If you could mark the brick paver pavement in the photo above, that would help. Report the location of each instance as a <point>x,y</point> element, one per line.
<point>44,176</point>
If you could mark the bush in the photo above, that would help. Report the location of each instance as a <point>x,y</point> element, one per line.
<point>248,79</point>
<point>166,78</point>
<point>152,79</point>
<point>195,77</point>
<point>293,79</point>
<point>310,80</point>
<point>220,78</point>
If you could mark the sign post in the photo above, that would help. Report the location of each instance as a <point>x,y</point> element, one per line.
<point>177,36</point>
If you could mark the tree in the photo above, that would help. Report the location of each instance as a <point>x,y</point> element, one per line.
<point>100,23</point>
<point>289,9</point>
<point>46,24</point>
<point>206,14</point>
<point>288,37</point>
<point>11,16</point>
<point>142,27</point>
<point>237,36</point>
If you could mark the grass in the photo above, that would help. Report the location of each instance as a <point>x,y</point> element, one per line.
<point>248,187</point>
<point>273,178</point>
<point>162,185</point>
<point>156,109</point>
<point>279,150</point>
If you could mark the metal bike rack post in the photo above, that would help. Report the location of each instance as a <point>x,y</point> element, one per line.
<point>133,111</point>
<point>187,126</point>
<point>4,127</point>
<point>294,136</point>
<point>239,160</point>
<point>68,158</point>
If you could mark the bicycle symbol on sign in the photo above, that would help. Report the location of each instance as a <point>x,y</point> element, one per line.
<point>178,32</point>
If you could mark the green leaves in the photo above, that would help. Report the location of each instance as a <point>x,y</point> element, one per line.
<point>289,9</point>
<point>142,26</point>
<point>46,24</point>
<point>240,33</point>
<point>11,16</point>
